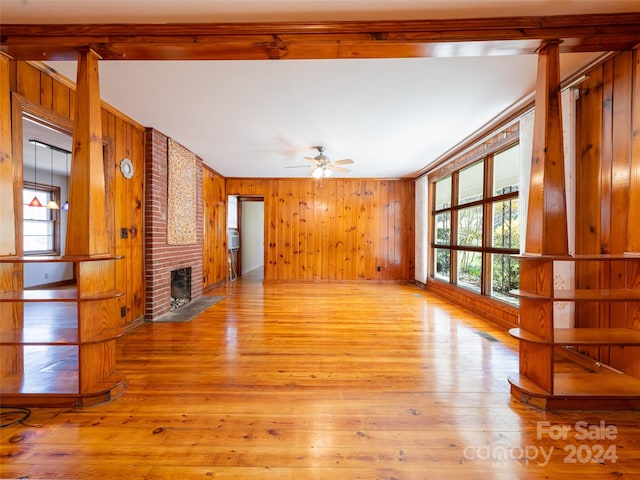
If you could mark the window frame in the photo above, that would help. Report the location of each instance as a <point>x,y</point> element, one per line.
<point>485,153</point>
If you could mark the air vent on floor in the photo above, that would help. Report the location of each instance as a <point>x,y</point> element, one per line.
<point>487,336</point>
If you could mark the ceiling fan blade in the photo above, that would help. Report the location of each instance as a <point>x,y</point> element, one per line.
<point>311,159</point>
<point>337,169</point>
<point>342,162</point>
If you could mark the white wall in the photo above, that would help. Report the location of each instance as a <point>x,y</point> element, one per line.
<point>422,229</point>
<point>252,236</point>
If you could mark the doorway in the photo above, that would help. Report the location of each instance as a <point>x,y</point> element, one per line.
<point>251,213</point>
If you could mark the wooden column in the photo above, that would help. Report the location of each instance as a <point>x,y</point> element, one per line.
<point>7,193</point>
<point>547,213</point>
<point>11,314</point>
<point>87,222</point>
<point>633,228</point>
<point>546,222</point>
<point>87,236</point>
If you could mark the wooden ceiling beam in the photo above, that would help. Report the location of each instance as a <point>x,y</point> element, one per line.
<point>366,39</point>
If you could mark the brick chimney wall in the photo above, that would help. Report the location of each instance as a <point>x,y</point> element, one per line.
<point>160,257</point>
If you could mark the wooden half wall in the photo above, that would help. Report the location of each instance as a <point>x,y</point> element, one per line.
<point>336,230</point>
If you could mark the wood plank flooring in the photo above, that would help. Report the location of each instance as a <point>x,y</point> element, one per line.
<point>320,381</point>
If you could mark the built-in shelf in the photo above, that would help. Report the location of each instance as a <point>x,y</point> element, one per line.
<point>40,336</point>
<point>58,259</point>
<point>553,373</point>
<point>583,336</point>
<point>63,295</point>
<point>584,295</point>
<point>581,391</point>
<point>58,348</point>
<point>581,258</point>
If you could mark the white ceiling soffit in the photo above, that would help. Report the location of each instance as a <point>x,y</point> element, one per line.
<point>257,118</point>
<point>393,117</point>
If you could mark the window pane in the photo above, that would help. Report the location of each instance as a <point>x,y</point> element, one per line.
<point>442,268</point>
<point>35,213</point>
<point>470,226</point>
<point>443,228</point>
<point>470,182</point>
<point>38,224</point>
<point>38,228</point>
<point>506,167</point>
<point>443,193</point>
<point>505,276</point>
<point>469,270</point>
<point>506,232</point>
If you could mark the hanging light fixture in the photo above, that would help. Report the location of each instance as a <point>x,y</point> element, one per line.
<point>35,202</point>
<point>65,205</point>
<point>52,205</point>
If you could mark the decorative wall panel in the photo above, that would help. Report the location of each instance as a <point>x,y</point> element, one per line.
<point>181,195</point>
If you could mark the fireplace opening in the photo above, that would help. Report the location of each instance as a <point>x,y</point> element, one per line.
<point>180,287</point>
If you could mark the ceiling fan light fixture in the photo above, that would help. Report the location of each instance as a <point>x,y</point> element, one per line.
<point>317,173</point>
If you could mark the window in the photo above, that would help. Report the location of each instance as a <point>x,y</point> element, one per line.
<point>40,224</point>
<point>475,224</point>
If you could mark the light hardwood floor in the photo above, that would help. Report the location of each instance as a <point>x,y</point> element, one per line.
<point>320,381</point>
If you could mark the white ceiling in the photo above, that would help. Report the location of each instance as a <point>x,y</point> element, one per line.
<point>256,118</point>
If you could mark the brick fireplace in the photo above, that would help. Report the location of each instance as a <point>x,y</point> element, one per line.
<point>161,258</point>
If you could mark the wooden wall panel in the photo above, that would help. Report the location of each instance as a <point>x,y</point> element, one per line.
<point>61,99</point>
<point>135,153</point>
<point>633,232</point>
<point>589,193</point>
<point>28,82</point>
<point>46,91</point>
<point>122,138</point>
<point>605,190</point>
<point>335,230</point>
<point>214,218</point>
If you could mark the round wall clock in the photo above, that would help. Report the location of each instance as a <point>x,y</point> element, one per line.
<point>126,167</point>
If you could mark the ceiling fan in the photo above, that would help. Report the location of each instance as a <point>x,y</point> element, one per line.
<point>324,166</point>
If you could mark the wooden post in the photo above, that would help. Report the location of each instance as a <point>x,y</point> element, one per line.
<point>87,233</point>
<point>7,192</point>
<point>87,221</point>
<point>633,228</point>
<point>11,314</point>
<point>547,213</point>
<point>546,222</point>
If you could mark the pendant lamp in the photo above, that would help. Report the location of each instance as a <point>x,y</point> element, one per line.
<point>34,201</point>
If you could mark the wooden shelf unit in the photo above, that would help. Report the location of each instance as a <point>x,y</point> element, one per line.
<point>552,374</point>
<point>59,347</point>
